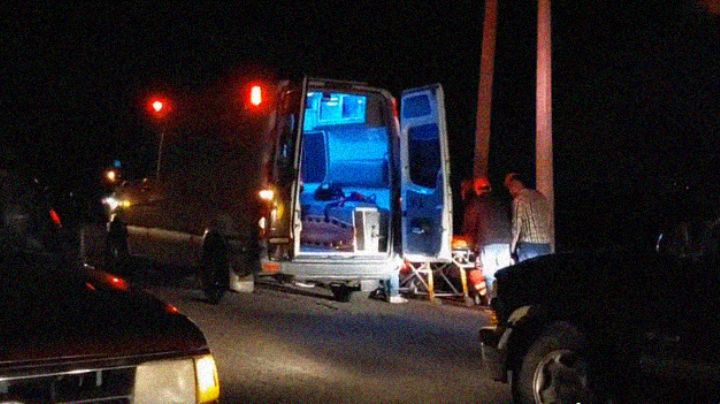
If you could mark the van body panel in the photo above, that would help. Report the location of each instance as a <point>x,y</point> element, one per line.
<point>425,170</point>
<point>355,191</point>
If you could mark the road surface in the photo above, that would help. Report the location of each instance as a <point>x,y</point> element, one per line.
<point>288,344</point>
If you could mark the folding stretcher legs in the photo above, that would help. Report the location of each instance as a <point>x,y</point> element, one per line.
<point>439,279</point>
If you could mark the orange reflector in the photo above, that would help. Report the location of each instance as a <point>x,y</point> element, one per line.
<point>271,267</point>
<point>493,318</point>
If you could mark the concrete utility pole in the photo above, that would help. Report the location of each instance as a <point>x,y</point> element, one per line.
<point>543,117</point>
<point>487,69</point>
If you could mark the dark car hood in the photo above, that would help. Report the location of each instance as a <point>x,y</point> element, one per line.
<point>53,314</point>
<point>574,280</point>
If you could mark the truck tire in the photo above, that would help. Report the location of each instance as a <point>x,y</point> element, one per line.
<point>214,270</point>
<point>116,258</point>
<point>554,369</point>
<point>341,293</point>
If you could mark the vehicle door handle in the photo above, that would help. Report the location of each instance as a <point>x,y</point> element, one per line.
<point>417,230</point>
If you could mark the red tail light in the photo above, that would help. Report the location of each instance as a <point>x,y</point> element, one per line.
<point>117,283</point>
<point>55,218</point>
<point>171,309</point>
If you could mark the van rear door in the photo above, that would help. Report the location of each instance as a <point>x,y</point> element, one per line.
<point>287,130</point>
<point>425,187</point>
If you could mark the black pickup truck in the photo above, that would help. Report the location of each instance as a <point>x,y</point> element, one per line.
<point>74,334</point>
<point>611,325</point>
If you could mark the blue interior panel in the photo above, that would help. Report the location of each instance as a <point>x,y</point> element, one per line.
<point>314,157</point>
<point>424,150</point>
<point>328,108</point>
<point>345,165</point>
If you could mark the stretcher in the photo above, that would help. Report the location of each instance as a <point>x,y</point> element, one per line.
<point>440,279</point>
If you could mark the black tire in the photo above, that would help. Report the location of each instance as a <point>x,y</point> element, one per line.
<point>214,270</point>
<point>250,252</point>
<point>116,258</point>
<point>341,293</point>
<point>554,369</point>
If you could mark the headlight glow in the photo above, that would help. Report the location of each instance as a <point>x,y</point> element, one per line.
<point>111,202</point>
<point>114,203</point>
<point>191,380</point>
<point>208,385</point>
<point>165,381</point>
<point>266,194</point>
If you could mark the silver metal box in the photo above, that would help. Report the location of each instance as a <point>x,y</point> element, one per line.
<point>366,222</point>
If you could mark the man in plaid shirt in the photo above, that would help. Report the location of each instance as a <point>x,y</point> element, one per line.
<point>530,220</point>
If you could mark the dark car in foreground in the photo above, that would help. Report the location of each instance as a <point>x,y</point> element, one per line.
<point>71,334</point>
<point>612,325</point>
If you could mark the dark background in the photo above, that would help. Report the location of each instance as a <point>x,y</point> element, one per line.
<point>636,86</point>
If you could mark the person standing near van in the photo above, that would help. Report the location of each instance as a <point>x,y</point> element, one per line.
<point>487,226</point>
<point>392,289</point>
<point>530,220</point>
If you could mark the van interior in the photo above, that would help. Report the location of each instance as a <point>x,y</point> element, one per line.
<point>345,192</point>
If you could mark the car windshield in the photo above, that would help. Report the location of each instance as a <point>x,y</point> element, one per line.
<point>27,224</point>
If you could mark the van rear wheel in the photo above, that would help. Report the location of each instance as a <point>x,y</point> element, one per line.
<point>214,271</point>
<point>341,293</point>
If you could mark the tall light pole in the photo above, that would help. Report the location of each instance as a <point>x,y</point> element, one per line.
<point>543,111</point>
<point>484,103</point>
<point>159,107</point>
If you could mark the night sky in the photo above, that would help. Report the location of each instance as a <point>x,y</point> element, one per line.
<point>635,85</point>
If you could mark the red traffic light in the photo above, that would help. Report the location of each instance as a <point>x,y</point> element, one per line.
<point>158,107</point>
<point>256,96</point>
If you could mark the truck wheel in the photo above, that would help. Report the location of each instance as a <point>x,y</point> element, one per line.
<point>214,271</point>
<point>116,258</point>
<point>554,369</point>
<point>341,293</point>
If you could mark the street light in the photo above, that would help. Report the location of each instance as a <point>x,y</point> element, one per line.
<point>256,96</point>
<point>158,107</point>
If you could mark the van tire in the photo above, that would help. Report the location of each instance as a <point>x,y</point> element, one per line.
<point>347,294</point>
<point>214,270</point>
<point>116,258</point>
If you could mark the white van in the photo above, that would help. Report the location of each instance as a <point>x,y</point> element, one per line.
<point>354,188</point>
<point>350,189</point>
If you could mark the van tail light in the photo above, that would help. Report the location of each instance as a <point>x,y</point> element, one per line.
<point>55,218</point>
<point>395,109</point>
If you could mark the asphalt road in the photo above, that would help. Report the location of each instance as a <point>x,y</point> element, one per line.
<point>282,344</point>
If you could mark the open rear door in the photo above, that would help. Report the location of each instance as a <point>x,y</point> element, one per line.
<point>287,131</point>
<point>425,183</point>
